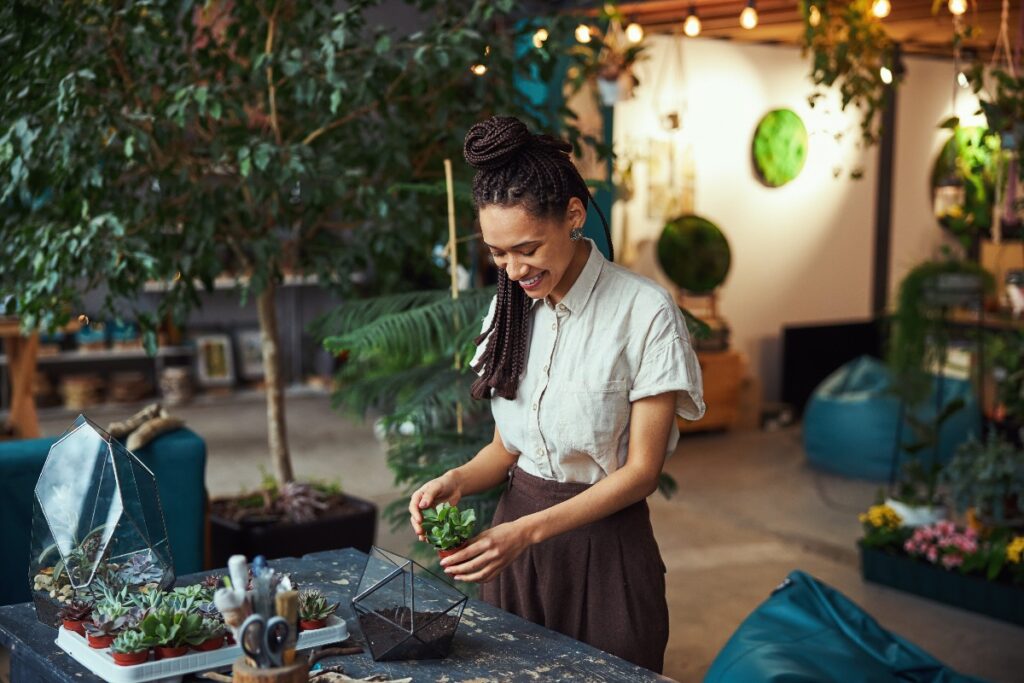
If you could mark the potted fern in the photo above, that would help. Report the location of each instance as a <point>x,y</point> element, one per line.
<point>448,529</point>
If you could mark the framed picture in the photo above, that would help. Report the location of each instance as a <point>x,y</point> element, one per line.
<point>215,365</point>
<point>250,354</point>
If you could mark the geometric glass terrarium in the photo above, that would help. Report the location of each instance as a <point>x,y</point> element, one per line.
<point>96,522</point>
<point>405,611</point>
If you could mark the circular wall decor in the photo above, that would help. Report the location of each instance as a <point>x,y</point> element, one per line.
<point>694,253</point>
<point>780,147</point>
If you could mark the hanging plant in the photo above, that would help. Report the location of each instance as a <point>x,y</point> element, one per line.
<point>849,48</point>
<point>608,56</point>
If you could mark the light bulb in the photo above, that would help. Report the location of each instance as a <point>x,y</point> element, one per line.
<point>961,80</point>
<point>583,33</point>
<point>748,17</point>
<point>634,33</point>
<point>881,8</point>
<point>814,15</point>
<point>886,75</point>
<point>691,26</point>
<point>478,69</point>
<point>539,37</point>
<point>957,7</point>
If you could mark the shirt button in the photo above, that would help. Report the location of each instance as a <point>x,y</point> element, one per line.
<point>561,307</point>
<point>540,451</point>
<point>554,326</point>
<point>535,406</point>
<point>545,368</point>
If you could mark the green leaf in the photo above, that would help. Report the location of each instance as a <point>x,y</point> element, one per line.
<point>129,146</point>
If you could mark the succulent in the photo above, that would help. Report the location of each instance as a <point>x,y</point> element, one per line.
<point>143,603</point>
<point>313,605</point>
<point>129,642</point>
<point>446,527</point>
<point>207,629</point>
<point>168,627</point>
<point>105,625</point>
<point>208,610</point>
<point>212,582</point>
<point>76,610</point>
<point>113,604</point>
<point>185,597</point>
<point>140,569</point>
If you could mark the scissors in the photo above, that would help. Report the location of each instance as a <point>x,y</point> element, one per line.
<point>263,639</point>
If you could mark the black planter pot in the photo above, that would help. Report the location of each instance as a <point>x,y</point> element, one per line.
<point>354,526</point>
<point>996,599</point>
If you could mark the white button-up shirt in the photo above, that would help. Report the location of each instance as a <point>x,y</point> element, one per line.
<point>614,338</point>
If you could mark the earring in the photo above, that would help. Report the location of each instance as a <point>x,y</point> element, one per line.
<point>576,234</point>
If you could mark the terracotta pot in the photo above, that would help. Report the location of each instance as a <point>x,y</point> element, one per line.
<point>100,642</point>
<point>212,644</point>
<point>311,624</point>
<point>75,625</point>
<point>451,551</point>
<point>170,652</point>
<point>130,658</point>
<point>229,638</point>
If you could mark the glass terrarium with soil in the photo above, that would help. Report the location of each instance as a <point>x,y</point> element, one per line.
<point>405,611</point>
<point>96,522</point>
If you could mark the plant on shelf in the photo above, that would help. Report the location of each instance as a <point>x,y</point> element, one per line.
<point>448,529</point>
<point>966,169</point>
<point>1005,355</point>
<point>170,630</point>
<point>255,141</point>
<point>988,478</point>
<point>209,635</point>
<point>74,614</point>
<point>130,647</point>
<point>104,627</point>
<point>314,609</point>
<point>849,49</point>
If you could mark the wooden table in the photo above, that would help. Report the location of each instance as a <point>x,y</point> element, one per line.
<point>490,644</point>
<point>21,360</point>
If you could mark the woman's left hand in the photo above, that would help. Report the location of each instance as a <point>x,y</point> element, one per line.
<point>487,554</point>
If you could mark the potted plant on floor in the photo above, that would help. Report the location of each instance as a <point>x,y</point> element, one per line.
<point>447,528</point>
<point>129,648</point>
<point>987,478</point>
<point>314,609</point>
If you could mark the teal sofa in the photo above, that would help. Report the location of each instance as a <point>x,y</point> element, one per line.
<point>177,459</point>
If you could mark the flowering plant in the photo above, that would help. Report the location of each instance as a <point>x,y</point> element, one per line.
<point>943,543</point>
<point>882,527</point>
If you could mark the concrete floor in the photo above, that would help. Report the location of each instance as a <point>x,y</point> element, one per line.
<point>748,512</point>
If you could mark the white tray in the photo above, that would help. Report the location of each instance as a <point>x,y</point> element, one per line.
<point>101,663</point>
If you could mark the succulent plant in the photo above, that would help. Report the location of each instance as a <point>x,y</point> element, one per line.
<point>140,569</point>
<point>76,610</point>
<point>113,604</point>
<point>129,642</point>
<point>446,527</point>
<point>208,610</point>
<point>105,625</point>
<point>168,627</point>
<point>185,597</point>
<point>313,605</point>
<point>207,629</point>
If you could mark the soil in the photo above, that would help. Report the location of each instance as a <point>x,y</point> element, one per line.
<point>254,508</point>
<point>388,641</point>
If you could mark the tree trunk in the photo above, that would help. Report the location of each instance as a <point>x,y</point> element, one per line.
<point>277,433</point>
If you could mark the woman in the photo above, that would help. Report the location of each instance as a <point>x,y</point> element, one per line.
<point>586,365</point>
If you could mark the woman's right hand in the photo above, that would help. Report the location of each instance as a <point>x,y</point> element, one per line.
<point>444,489</point>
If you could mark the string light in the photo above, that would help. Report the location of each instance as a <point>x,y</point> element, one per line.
<point>881,8</point>
<point>539,37</point>
<point>691,26</point>
<point>583,34</point>
<point>957,7</point>
<point>748,17</point>
<point>478,69</point>
<point>961,80</point>
<point>634,33</point>
<point>886,75</point>
<point>814,15</point>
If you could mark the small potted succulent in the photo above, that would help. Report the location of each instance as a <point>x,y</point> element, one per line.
<point>130,647</point>
<point>169,631</point>
<point>209,636</point>
<point>314,610</point>
<point>101,631</point>
<point>447,528</point>
<point>74,615</point>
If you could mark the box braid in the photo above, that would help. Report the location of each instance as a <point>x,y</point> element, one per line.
<point>517,168</point>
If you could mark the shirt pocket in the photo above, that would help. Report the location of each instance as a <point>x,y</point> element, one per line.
<point>592,417</point>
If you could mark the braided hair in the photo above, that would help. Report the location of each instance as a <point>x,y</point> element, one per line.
<point>516,168</point>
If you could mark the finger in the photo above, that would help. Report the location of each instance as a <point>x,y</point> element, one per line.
<point>482,576</point>
<point>464,555</point>
<point>471,566</point>
<point>427,495</point>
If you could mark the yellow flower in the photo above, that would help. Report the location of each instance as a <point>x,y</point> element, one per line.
<point>881,516</point>
<point>1015,551</point>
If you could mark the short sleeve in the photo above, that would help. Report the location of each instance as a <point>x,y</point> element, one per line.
<point>669,363</point>
<point>483,328</point>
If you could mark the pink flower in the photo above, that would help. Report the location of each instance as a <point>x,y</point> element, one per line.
<point>932,555</point>
<point>950,561</point>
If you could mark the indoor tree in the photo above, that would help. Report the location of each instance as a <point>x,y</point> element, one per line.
<point>180,141</point>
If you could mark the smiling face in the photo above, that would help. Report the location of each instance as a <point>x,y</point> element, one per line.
<point>536,253</point>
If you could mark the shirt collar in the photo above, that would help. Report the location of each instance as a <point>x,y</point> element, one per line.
<point>579,294</point>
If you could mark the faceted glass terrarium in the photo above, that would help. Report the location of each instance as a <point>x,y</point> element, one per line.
<point>96,521</point>
<point>404,610</point>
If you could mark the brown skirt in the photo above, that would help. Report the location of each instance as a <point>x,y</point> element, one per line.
<point>603,583</point>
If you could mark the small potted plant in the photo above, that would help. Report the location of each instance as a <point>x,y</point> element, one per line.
<point>74,615</point>
<point>988,478</point>
<point>209,636</point>
<point>314,610</point>
<point>101,631</point>
<point>447,528</point>
<point>169,630</point>
<point>130,647</point>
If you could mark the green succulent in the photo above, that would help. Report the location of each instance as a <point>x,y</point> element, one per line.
<point>129,642</point>
<point>207,629</point>
<point>313,605</point>
<point>168,627</point>
<point>446,527</point>
<point>105,625</point>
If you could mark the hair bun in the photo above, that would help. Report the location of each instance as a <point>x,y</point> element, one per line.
<point>495,142</point>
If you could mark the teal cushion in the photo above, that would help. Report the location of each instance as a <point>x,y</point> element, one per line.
<point>178,461</point>
<point>808,632</point>
<point>851,422</point>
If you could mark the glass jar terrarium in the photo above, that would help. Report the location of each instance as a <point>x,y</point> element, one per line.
<point>404,610</point>
<point>97,522</point>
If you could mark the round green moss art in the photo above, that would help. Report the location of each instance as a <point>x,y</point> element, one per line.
<point>780,147</point>
<point>694,253</point>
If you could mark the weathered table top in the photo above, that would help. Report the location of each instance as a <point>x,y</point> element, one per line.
<point>490,645</point>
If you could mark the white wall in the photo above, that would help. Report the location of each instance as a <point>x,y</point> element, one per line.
<point>801,253</point>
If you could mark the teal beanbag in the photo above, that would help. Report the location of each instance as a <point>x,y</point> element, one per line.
<point>808,632</point>
<point>851,422</point>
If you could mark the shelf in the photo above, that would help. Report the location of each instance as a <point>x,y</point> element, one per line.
<point>108,354</point>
